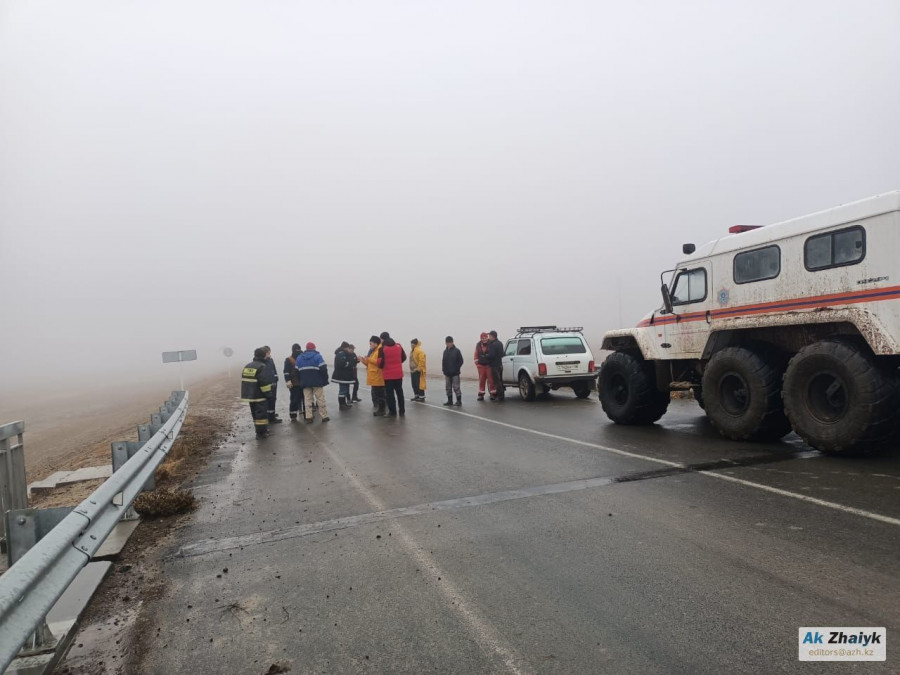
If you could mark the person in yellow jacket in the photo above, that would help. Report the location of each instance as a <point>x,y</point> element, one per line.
<point>374,375</point>
<point>417,370</point>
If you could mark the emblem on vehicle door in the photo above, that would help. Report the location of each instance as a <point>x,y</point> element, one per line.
<point>723,296</point>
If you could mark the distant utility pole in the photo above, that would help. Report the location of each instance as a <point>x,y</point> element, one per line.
<point>180,357</point>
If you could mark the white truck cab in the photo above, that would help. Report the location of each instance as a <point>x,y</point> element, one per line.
<point>792,325</point>
<point>543,358</point>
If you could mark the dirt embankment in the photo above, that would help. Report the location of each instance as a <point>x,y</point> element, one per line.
<point>73,429</point>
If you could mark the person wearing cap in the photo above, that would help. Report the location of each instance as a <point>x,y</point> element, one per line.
<point>391,363</point>
<point>292,380</point>
<point>374,376</point>
<point>451,365</point>
<point>483,363</point>
<point>313,374</point>
<point>495,351</point>
<point>344,368</point>
<point>417,370</point>
<point>257,389</point>
<point>272,373</point>
<point>355,397</point>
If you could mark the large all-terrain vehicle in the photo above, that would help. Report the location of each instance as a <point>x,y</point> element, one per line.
<point>794,325</point>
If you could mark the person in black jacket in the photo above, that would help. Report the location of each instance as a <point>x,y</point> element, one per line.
<point>292,380</point>
<point>272,372</point>
<point>495,352</point>
<point>344,374</point>
<point>257,389</point>
<point>451,366</point>
<point>355,397</point>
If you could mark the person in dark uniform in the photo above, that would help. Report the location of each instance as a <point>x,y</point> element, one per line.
<point>495,354</point>
<point>272,371</point>
<point>292,380</point>
<point>257,389</point>
<point>355,397</point>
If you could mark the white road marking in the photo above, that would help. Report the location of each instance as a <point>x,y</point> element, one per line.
<point>812,500</point>
<point>482,632</point>
<point>759,486</point>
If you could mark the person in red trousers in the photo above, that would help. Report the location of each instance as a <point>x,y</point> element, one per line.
<point>483,363</point>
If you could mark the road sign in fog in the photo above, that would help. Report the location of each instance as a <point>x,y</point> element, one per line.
<point>178,357</point>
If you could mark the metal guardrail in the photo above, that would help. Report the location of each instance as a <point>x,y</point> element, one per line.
<point>33,584</point>
<point>13,491</point>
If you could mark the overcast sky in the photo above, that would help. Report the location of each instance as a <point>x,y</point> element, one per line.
<point>190,174</point>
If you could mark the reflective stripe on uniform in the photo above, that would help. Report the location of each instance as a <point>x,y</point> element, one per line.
<point>248,379</point>
<point>252,400</point>
<point>266,387</point>
<point>261,423</point>
<point>310,367</point>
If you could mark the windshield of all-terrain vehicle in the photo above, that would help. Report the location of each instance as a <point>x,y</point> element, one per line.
<point>562,345</point>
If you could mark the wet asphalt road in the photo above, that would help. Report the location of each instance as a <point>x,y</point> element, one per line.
<point>525,538</point>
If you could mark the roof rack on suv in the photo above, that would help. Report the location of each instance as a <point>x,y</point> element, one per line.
<point>548,329</point>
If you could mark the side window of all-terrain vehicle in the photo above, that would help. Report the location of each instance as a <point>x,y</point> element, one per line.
<point>524,348</point>
<point>511,347</point>
<point>835,249</point>
<point>690,286</point>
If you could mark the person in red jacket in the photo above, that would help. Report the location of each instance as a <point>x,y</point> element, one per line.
<point>483,363</point>
<point>391,363</point>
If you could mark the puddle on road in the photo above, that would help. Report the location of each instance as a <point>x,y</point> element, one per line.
<point>100,648</point>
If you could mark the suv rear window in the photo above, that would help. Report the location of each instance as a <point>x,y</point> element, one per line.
<point>552,346</point>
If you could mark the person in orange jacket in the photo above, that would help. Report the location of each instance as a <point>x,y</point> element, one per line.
<point>417,370</point>
<point>374,376</point>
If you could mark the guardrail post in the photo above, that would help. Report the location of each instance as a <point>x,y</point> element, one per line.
<point>13,489</point>
<point>144,434</point>
<point>25,528</point>
<point>155,423</point>
<point>122,451</point>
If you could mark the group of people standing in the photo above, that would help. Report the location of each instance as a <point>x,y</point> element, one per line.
<point>306,374</point>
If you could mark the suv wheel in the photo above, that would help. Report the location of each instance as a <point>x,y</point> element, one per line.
<point>628,392</point>
<point>742,395</point>
<point>838,399</point>
<point>582,389</point>
<point>526,387</point>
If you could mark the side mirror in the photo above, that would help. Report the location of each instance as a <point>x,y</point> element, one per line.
<point>667,300</point>
<point>687,249</point>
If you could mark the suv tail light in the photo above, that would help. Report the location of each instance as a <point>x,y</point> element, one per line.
<point>590,366</point>
<point>542,369</point>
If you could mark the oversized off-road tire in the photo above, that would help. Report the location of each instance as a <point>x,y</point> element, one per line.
<point>628,392</point>
<point>526,387</point>
<point>742,394</point>
<point>839,399</point>
<point>582,389</point>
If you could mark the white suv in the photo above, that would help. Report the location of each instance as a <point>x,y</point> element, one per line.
<point>541,358</point>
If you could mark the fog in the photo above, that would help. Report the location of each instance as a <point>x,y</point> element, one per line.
<point>199,174</point>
